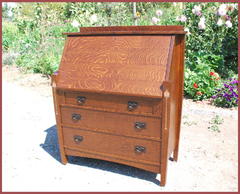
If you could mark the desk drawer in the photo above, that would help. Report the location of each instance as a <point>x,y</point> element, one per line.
<point>132,148</point>
<point>121,124</point>
<point>116,103</point>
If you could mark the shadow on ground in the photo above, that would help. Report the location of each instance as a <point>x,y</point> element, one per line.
<point>50,145</point>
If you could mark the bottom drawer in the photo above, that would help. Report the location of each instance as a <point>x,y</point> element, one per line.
<point>118,146</point>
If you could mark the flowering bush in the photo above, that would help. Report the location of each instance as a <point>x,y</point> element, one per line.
<point>211,48</point>
<point>227,95</point>
<point>212,29</point>
<point>200,83</point>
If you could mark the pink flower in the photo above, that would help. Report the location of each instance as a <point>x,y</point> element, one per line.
<point>75,23</point>
<point>227,17</point>
<point>222,11</point>
<point>197,10</point>
<point>228,24</point>
<point>201,24</point>
<point>181,18</point>
<point>155,20</point>
<point>159,12</point>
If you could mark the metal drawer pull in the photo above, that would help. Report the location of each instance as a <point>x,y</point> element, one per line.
<point>132,105</point>
<point>81,100</point>
<point>140,125</point>
<point>78,138</point>
<point>76,117</point>
<point>140,149</point>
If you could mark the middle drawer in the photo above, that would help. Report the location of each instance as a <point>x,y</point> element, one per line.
<point>117,123</point>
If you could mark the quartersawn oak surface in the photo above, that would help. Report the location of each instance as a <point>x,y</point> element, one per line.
<point>115,103</point>
<point>111,144</point>
<point>115,64</point>
<point>121,124</point>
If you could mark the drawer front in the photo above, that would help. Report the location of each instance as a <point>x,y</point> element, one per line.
<point>121,124</point>
<point>116,103</point>
<point>101,143</point>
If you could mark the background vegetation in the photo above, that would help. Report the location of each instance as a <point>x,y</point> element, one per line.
<point>33,40</point>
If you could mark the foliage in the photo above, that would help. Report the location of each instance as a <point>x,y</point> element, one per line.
<point>200,82</point>
<point>211,46</point>
<point>41,41</point>
<point>211,38</point>
<point>227,95</point>
<point>10,35</point>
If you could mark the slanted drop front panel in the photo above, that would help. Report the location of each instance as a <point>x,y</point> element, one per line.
<point>115,64</point>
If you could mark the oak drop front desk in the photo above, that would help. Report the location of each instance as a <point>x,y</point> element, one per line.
<point>118,95</point>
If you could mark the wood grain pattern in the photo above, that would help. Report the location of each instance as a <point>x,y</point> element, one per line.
<point>158,116</point>
<point>130,65</point>
<point>58,98</point>
<point>120,124</point>
<point>111,66</point>
<point>166,121</point>
<point>115,145</point>
<point>180,50</point>
<point>115,103</point>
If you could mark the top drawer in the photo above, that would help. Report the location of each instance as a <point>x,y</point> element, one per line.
<point>114,103</point>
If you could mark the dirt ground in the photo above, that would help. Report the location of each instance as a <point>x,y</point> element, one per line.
<point>208,159</point>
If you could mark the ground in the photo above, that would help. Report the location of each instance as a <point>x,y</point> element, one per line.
<point>208,159</point>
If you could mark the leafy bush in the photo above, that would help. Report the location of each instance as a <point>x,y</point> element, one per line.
<point>46,65</point>
<point>212,31</point>
<point>10,35</point>
<point>201,82</point>
<point>227,95</point>
<point>41,41</point>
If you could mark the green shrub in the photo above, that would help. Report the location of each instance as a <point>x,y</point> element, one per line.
<point>10,35</point>
<point>218,42</point>
<point>201,80</point>
<point>45,64</point>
